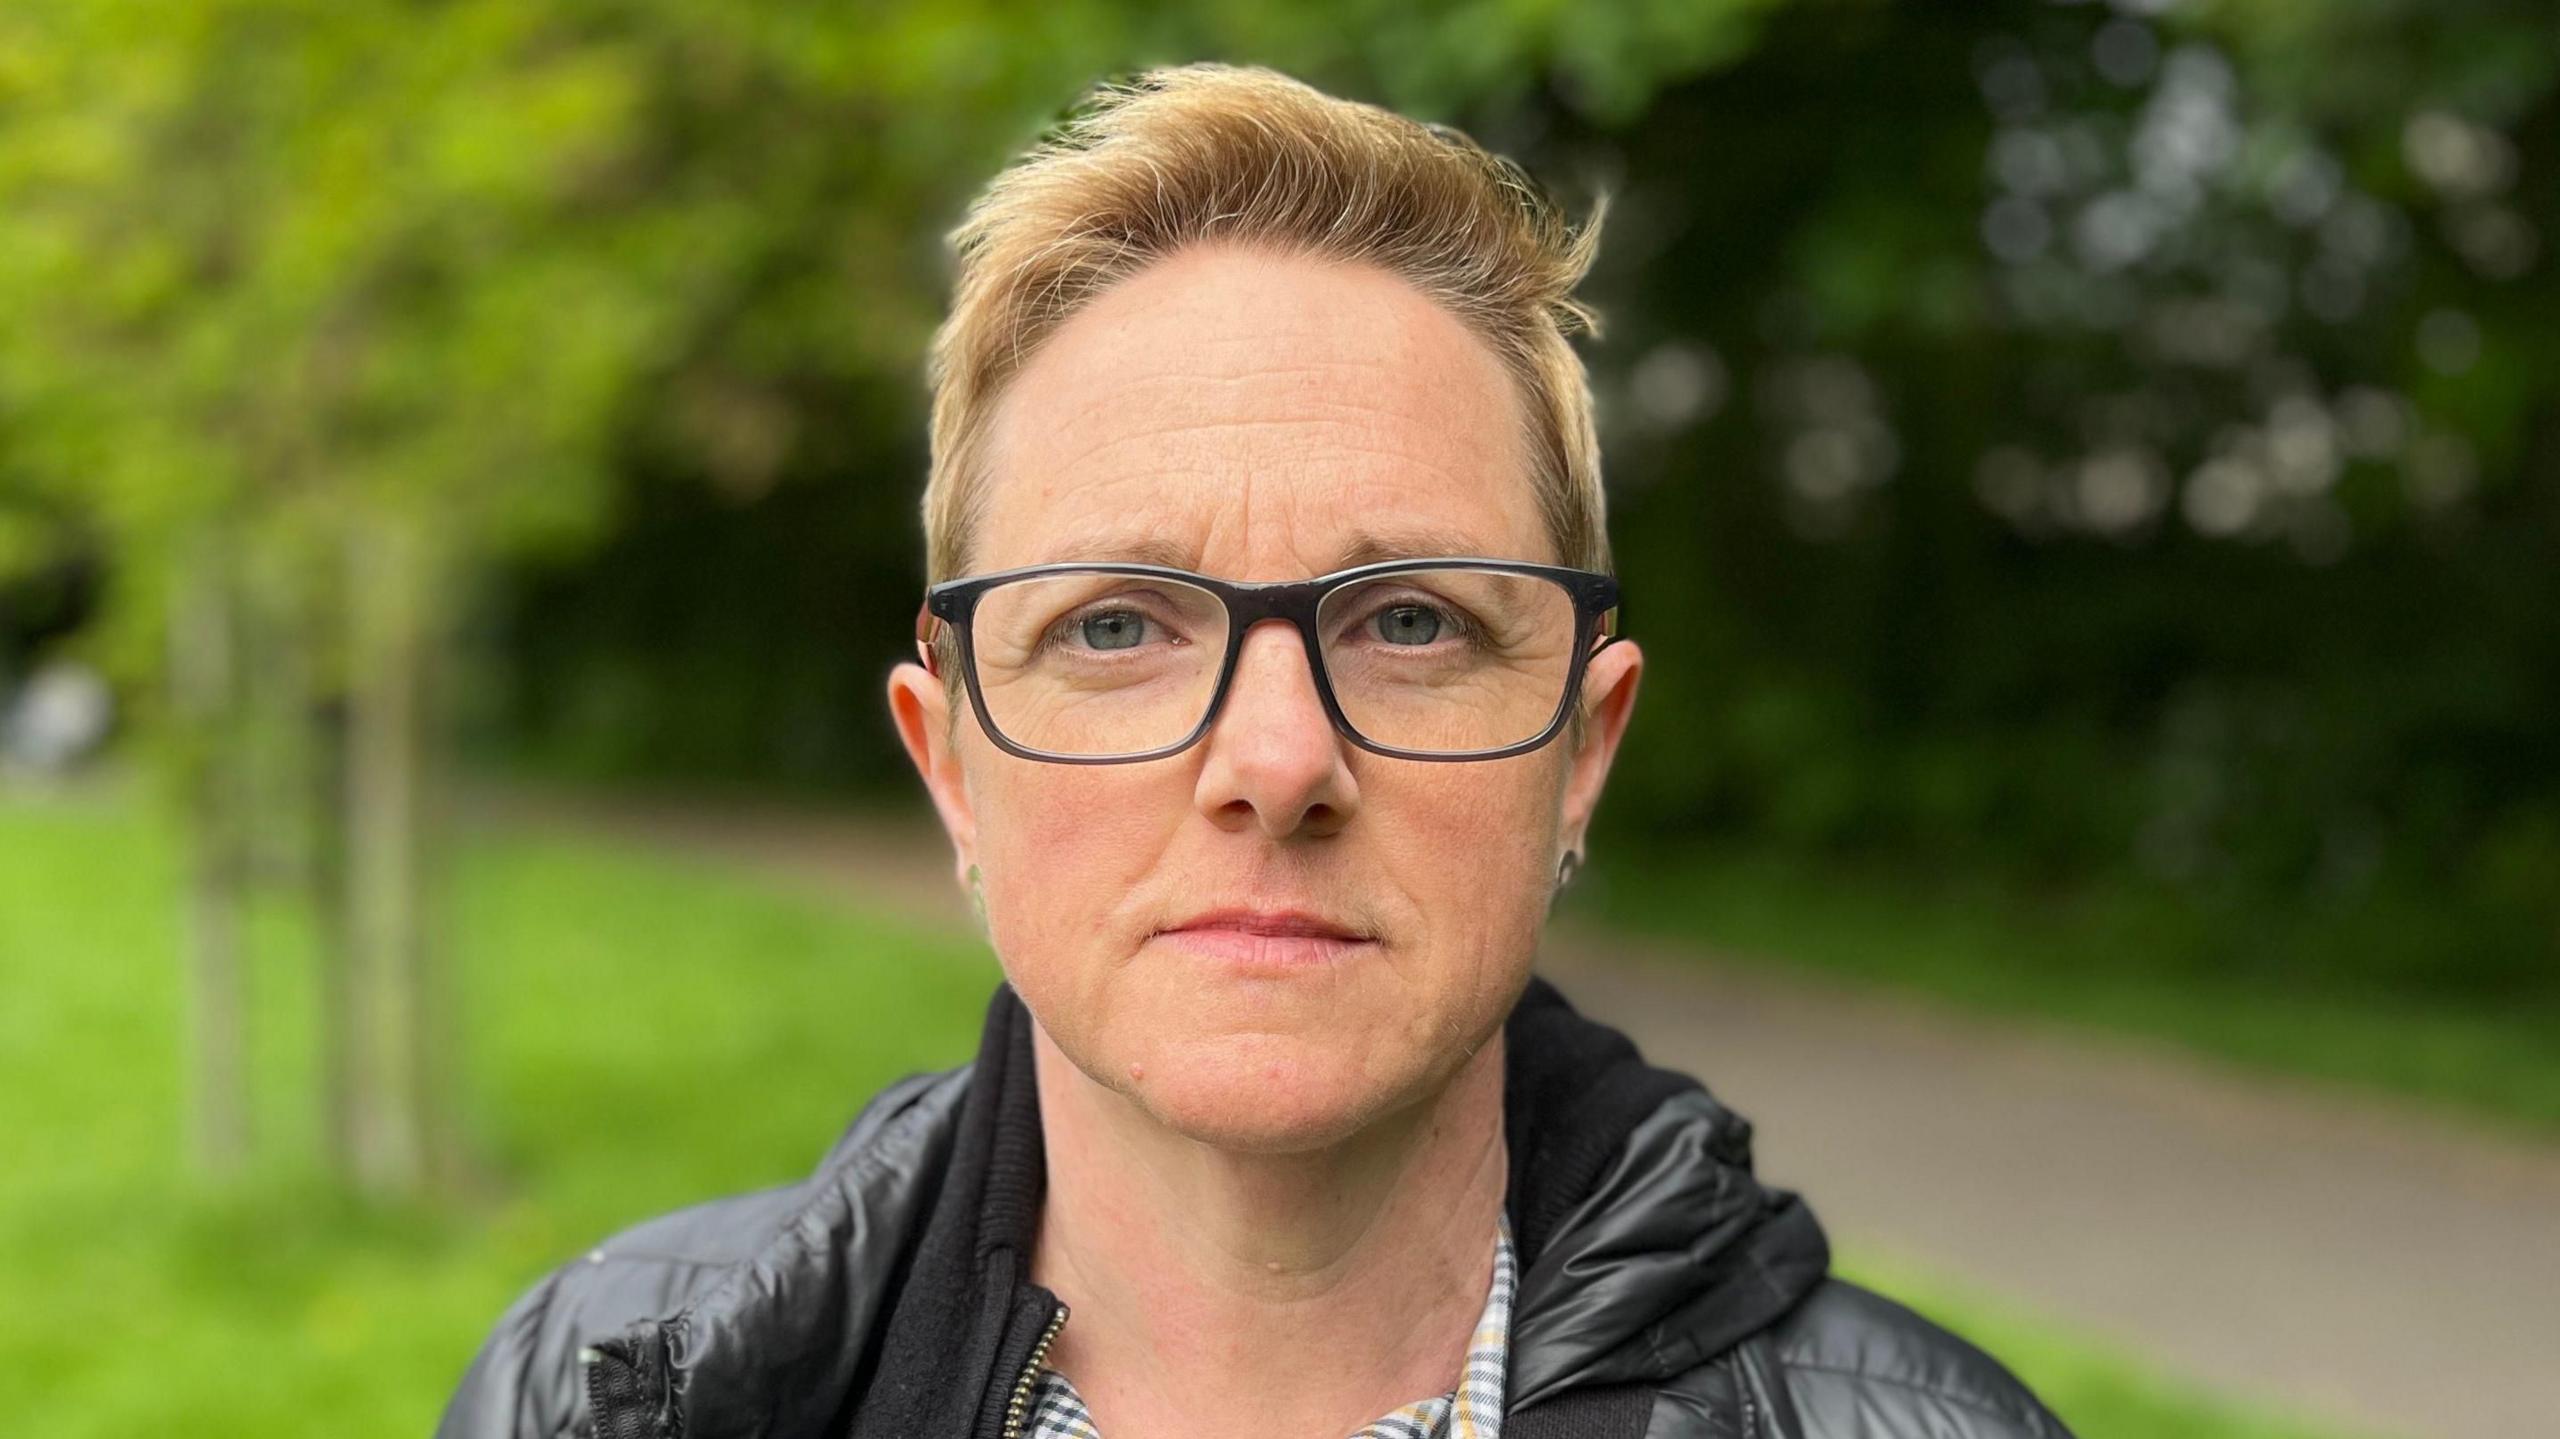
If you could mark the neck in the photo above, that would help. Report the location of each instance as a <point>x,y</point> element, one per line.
<point>1314,1291</point>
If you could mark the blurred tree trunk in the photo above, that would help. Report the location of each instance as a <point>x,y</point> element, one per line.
<point>315,793</point>
<point>391,986</point>
<point>335,992</point>
<point>438,1051</point>
<point>204,675</point>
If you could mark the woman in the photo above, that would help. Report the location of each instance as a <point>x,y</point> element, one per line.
<point>1266,683</point>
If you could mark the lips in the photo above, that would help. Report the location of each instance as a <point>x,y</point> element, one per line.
<point>1266,940</point>
<point>1278,923</point>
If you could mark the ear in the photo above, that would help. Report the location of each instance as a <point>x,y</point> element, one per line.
<point>1608,700</point>
<point>921,709</point>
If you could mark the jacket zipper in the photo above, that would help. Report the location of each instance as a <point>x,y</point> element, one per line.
<point>618,1384</point>
<point>1017,1408</point>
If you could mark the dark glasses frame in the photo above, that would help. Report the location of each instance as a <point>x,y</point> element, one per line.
<point>1597,610</point>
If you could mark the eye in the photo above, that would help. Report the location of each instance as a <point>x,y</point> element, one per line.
<point>1407,624</point>
<point>1112,629</point>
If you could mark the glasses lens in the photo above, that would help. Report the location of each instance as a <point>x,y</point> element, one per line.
<point>1089,663</point>
<point>1449,661</point>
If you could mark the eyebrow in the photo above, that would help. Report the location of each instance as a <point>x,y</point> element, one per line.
<point>1403,542</point>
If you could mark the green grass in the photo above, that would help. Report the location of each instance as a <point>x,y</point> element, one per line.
<point>619,1006</point>
<point>2344,996</point>
<point>642,1034</point>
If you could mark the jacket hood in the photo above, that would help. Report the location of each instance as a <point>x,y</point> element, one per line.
<point>1647,1244</point>
<point>895,1296</point>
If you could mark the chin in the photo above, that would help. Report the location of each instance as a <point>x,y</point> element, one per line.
<point>1263,1068</point>
<point>1266,1094</point>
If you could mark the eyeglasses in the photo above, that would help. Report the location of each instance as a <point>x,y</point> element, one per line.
<point>1433,659</point>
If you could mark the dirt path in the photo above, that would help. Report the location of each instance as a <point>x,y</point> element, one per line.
<point>2379,1265</point>
<point>2370,1263</point>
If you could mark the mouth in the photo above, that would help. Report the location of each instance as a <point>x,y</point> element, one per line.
<point>1266,940</point>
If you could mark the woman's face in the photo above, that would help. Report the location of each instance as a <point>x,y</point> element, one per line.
<point>1257,417</point>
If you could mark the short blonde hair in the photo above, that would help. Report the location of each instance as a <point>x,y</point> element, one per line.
<point>1201,153</point>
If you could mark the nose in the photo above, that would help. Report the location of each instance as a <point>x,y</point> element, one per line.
<point>1273,759</point>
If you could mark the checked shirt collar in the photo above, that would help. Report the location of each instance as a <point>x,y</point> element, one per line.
<point>1471,1410</point>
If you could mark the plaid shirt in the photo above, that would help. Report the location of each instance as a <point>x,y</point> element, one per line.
<point>1472,1410</point>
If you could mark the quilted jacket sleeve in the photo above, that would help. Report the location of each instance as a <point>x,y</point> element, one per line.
<point>521,1383</point>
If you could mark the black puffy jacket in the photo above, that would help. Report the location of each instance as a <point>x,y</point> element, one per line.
<point>1664,1292</point>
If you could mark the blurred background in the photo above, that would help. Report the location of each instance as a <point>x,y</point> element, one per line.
<point>2087,477</point>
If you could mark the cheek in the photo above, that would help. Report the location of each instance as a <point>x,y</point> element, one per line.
<point>1063,847</point>
<point>1470,849</point>
<point>1486,837</point>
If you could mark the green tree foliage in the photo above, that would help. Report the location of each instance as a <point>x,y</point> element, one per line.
<point>2078,443</point>
<point>313,313</point>
<point>2075,441</point>
<point>2134,461</point>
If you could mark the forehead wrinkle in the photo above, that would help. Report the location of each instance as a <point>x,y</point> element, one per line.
<point>1281,427</point>
<point>1362,464</point>
<point>1193,518</point>
<point>1366,544</point>
<point>1366,462</point>
<point>1372,404</point>
<point>1375,365</point>
<point>1354,393</point>
<point>1344,423</point>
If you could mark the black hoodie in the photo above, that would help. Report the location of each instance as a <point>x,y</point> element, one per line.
<point>1664,1291</point>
